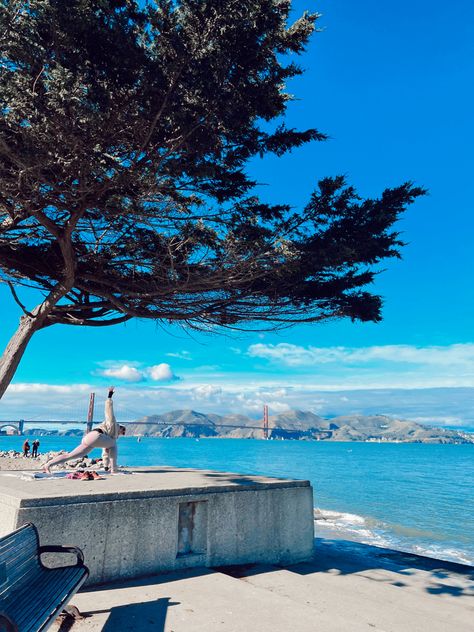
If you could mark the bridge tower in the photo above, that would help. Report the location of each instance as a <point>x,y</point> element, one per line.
<point>21,425</point>
<point>90,413</point>
<point>265,421</point>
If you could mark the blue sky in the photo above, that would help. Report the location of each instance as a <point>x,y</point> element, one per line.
<point>390,82</point>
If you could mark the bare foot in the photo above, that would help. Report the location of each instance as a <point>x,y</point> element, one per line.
<point>46,469</point>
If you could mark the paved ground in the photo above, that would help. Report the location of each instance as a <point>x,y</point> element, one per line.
<point>348,587</point>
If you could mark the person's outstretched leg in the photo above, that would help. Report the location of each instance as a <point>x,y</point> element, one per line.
<point>89,442</point>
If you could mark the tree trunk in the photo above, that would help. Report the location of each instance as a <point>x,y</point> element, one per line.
<point>15,349</point>
<point>29,324</point>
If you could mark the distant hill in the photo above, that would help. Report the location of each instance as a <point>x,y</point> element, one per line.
<point>296,425</point>
<point>44,432</point>
<point>178,423</point>
<point>381,427</point>
<point>189,423</point>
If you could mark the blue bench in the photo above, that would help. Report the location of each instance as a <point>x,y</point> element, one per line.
<point>31,594</point>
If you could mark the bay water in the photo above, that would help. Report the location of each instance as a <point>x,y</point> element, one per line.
<point>411,497</point>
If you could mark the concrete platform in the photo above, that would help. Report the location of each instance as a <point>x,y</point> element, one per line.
<point>149,520</point>
<point>346,587</point>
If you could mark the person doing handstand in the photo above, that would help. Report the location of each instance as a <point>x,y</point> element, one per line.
<point>104,436</point>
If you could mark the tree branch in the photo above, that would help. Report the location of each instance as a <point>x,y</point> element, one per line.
<point>17,300</point>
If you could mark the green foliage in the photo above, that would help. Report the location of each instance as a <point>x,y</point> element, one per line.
<point>124,135</point>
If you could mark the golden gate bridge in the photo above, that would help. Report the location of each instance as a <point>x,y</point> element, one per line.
<point>87,420</point>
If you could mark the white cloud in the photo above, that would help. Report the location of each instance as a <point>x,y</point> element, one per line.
<point>161,372</point>
<point>438,420</point>
<point>207,368</point>
<point>460,355</point>
<point>23,387</point>
<point>274,392</point>
<point>135,372</point>
<point>206,391</point>
<point>254,407</point>
<point>124,372</point>
<point>181,355</point>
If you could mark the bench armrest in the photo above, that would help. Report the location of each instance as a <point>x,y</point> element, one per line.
<point>51,548</point>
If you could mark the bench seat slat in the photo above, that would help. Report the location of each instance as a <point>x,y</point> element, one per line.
<point>21,534</point>
<point>22,574</point>
<point>23,537</point>
<point>48,611</point>
<point>46,599</point>
<point>41,622</point>
<point>11,554</point>
<point>53,592</point>
<point>11,563</point>
<point>25,583</point>
<point>21,590</point>
<point>15,589</point>
<point>13,546</point>
<point>47,606</point>
<point>40,585</point>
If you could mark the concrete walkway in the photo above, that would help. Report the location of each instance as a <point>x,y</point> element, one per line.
<point>347,587</point>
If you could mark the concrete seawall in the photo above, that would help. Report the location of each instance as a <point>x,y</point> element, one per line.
<point>150,520</point>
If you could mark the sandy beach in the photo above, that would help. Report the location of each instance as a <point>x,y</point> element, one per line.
<point>11,461</point>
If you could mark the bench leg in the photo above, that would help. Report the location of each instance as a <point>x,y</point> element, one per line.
<point>73,612</point>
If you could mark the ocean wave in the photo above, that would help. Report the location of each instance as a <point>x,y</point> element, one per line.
<point>442,553</point>
<point>338,517</point>
<point>368,530</point>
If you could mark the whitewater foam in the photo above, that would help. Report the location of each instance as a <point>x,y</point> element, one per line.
<point>368,530</point>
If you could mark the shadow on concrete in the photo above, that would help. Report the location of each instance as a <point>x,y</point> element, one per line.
<point>149,580</point>
<point>144,616</point>
<point>147,616</point>
<point>65,624</point>
<point>345,557</point>
<point>225,477</point>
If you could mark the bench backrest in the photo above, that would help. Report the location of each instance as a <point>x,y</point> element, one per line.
<point>18,556</point>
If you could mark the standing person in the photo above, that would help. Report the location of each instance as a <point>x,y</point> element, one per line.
<point>34,450</point>
<point>104,436</point>
<point>26,448</point>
